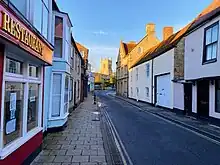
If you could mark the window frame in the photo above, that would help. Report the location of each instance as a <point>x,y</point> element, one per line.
<point>204,60</point>
<point>216,83</point>
<point>148,70</point>
<point>26,80</point>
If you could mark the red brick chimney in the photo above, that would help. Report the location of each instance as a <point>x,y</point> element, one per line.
<point>167,32</point>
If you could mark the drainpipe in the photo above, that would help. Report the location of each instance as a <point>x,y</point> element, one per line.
<point>152,85</point>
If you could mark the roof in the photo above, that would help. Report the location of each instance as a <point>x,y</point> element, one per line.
<point>172,41</point>
<point>129,47</point>
<point>74,44</point>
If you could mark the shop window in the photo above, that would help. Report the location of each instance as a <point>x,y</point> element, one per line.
<point>13,66</point>
<point>33,71</point>
<point>33,106</point>
<point>20,5</point>
<point>58,47</point>
<point>217,98</point>
<point>56,96</point>
<point>66,94</point>
<point>13,111</point>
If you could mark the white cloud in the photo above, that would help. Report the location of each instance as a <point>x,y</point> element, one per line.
<point>100,32</point>
<point>98,52</point>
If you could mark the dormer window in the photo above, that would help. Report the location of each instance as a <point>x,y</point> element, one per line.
<point>210,44</point>
<point>140,50</point>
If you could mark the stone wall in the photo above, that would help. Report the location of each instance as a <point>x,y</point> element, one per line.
<point>179,60</point>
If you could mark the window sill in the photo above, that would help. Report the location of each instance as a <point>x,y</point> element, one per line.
<point>59,117</point>
<point>209,61</point>
<point>18,143</point>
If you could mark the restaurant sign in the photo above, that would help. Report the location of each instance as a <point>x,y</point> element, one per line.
<point>18,31</point>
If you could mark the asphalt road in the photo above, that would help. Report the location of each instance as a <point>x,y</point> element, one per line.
<point>152,141</point>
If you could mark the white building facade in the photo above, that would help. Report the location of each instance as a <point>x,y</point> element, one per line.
<point>202,55</point>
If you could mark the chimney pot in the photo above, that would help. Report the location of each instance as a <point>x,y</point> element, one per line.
<point>167,32</point>
<point>150,29</point>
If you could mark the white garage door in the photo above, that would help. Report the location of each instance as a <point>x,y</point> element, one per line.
<point>164,91</point>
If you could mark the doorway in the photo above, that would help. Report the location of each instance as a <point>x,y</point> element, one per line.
<point>74,93</point>
<point>203,99</point>
<point>188,98</point>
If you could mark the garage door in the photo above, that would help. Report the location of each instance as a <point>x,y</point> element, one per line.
<point>164,91</point>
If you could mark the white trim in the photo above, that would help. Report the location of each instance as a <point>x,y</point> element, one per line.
<point>18,143</point>
<point>59,118</point>
<point>2,105</point>
<point>62,95</point>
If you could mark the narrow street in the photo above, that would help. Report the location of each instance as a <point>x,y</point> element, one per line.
<point>150,140</point>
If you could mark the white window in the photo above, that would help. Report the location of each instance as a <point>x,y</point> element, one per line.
<point>56,95</point>
<point>22,109</point>
<point>147,91</point>
<point>137,74</point>
<point>41,16</point>
<point>148,70</point>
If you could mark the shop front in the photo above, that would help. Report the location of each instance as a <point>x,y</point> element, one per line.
<point>23,56</point>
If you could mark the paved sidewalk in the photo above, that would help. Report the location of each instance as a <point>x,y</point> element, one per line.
<point>81,143</point>
<point>189,122</point>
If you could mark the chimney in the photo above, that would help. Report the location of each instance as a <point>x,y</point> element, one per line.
<point>132,42</point>
<point>167,32</point>
<point>150,29</point>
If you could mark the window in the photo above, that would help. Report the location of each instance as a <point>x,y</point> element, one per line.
<point>71,91</point>
<point>131,91</point>
<point>58,47</point>
<point>66,94</point>
<point>211,42</point>
<point>78,89</point>
<point>131,76</point>
<point>217,96</point>
<point>20,5</point>
<point>148,69</point>
<point>41,16</point>
<point>13,109</point>
<point>58,27</point>
<point>13,66</point>
<point>76,62</point>
<point>33,102</point>
<point>56,95</point>
<point>137,91</point>
<point>140,50</point>
<point>33,71</point>
<point>136,73</point>
<point>147,91</point>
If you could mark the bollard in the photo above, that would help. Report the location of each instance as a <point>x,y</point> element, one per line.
<point>94,98</point>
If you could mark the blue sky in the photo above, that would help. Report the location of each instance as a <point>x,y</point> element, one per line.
<point>101,24</point>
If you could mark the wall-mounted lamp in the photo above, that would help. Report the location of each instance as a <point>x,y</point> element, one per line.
<point>212,82</point>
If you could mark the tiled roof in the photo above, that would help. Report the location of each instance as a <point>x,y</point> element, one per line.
<point>129,47</point>
<point>169,43</point>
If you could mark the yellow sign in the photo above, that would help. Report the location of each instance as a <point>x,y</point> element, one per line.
<point>16,29</point>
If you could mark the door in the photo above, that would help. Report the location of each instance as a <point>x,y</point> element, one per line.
<point>56,94</point>
<point>203,98</point>
<point>188,98</point>
<point>163,91</point>
<point>74,93</point>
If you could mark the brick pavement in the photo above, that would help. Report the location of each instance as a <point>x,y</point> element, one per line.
<point>81,142</point>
